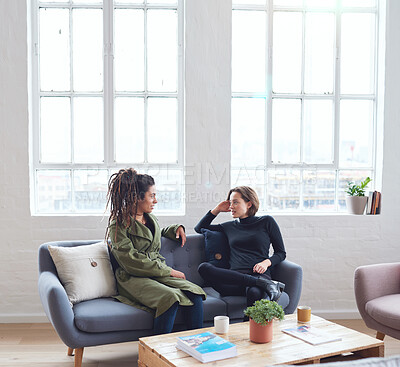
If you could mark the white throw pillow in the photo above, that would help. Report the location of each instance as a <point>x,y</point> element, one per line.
<point>85,271</point>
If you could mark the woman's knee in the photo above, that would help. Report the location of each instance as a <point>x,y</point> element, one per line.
<point>254,294</point>
<point>204,268</point>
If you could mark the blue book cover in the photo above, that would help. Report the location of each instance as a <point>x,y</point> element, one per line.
<point>207,346</point>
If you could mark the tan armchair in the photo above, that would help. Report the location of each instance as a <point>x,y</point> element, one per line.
<point>377,291</point>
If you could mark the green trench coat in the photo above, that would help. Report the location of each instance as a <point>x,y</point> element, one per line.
<point>143,277</point>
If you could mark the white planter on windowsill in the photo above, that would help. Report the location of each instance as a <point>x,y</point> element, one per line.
<point>356,204</point>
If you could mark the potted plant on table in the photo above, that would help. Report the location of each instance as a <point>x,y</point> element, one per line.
<point>261,315</point>
<point>356,199</point>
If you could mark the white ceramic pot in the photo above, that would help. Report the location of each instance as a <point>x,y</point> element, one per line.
<point>356,204</point>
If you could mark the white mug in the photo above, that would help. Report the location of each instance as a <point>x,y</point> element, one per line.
<point>221,324</point>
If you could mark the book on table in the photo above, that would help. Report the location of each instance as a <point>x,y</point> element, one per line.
<point>206,347</point>
<point>311,334</point>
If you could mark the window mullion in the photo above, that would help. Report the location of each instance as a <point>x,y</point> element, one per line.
<point>145,137</point>
<point>71,81</point>
<point>108,102</point>
<point>337,90</point>
<point>336,93</point>
<point>180,96</point>
<point>268,140</point>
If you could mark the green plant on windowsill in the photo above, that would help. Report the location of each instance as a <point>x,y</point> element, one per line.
<point>357,190</point>
<point>264,311</point>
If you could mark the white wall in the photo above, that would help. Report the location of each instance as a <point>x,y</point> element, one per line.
<point>328,247</point>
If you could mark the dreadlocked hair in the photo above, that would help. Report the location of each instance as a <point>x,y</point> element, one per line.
<point>125,188</point>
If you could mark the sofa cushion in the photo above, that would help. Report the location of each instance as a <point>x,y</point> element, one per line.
<point>385,310</point>
<point>213,306</point>
<point>216,248</point>
<point>84,271</point>
<point>108,314</point>
<point>236,304</point>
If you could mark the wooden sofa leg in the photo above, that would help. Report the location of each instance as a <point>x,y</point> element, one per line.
<point>70,351</point>
<point>78,357</point>
<point>380,335</point>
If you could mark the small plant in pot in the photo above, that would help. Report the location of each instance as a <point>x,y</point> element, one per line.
<point>261,315</point>
<point>356,199</point>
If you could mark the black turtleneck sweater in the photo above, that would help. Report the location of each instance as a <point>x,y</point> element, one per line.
<point>249,239</point>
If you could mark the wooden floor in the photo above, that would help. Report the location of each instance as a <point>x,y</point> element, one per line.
<point>37,345</point>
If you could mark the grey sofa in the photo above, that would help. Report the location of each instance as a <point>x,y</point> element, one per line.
<point>106,321</point>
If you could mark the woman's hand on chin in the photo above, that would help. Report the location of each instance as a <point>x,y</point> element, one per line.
<point>223,206</point>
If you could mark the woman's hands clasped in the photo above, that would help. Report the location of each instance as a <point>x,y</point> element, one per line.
<point>223,206</point>
<point>262,267</point>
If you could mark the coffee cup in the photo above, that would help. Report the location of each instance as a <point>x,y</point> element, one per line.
<point>221,324</point>
<point>303,314</point>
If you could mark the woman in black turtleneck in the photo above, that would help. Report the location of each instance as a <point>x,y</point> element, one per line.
<point>249,240</point>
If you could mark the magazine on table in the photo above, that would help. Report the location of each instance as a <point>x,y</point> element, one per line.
<point>311,334</point>
<point>206,347</point>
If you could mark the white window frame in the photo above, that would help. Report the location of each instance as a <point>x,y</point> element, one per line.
<point>269,8</point>
<point>108,95</point>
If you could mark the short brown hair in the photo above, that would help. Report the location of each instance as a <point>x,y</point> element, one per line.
<point>248,194</point>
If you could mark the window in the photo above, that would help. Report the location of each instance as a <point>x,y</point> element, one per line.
<point>304,86</point>
<point>107,94</point>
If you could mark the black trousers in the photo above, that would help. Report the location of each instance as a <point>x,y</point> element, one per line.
<point>229,282</point>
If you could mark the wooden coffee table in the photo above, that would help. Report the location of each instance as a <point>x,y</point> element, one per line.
<point>161,351</point>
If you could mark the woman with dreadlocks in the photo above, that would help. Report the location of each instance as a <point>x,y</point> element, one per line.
<point>144,279</point>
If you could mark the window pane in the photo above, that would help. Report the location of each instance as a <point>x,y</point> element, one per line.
<point>358,53</point>
<point>87,1</point>
<point>319,53</point>
<point>283,189</point>
<point>326,4</point>
<point>162,50</point>
<point>87,49</point>
<point>318,131</point>
<point>88,130</point>
<point>255,178</point>
<point>248,125</point>
<point>248,51</point>
<point>162,130</point>
<point>129,50</point>
<point>359,3</point>
<point>286,122</point>
<point>170,190</point>
<point>356,136</point>
<point>354,176</point>
<point>129,1</point>
<point>90,190</point>
<point>319,190</point>
<point>297,3</point>
<point>287,54</point>
<point>161,2</point>
<point>129,129</point>
<point>55,130</point>
<point>54,50</point>
<point>248,2</point>
<point>53,191</point>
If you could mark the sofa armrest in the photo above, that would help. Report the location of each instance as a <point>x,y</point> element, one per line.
<point>291,274</point>
<point>374,281</point>
<point>58,308</point>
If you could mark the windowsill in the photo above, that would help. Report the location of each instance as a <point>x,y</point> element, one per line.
<point>163,214</point>
<point>316,214</point>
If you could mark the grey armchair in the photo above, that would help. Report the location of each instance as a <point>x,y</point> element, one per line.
<point>377,291</point>
<point>106,321</point>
